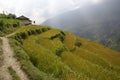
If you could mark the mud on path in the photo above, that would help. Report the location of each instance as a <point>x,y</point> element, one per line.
<point>10,60</point>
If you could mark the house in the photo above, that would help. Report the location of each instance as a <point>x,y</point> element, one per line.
<point>25,20</point>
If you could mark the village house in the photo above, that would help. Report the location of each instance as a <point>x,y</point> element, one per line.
<point>25,20</point>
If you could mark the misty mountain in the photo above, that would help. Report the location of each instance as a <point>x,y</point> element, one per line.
<point>100,22</point>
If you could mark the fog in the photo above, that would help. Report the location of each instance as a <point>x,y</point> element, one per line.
<point>41,10</point>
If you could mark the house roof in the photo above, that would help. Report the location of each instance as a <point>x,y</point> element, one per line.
<point>23,18</point>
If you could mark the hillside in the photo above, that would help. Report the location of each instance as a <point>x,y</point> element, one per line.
<point>51,54</point>
<point>96,22</point>
<point>8,23</point>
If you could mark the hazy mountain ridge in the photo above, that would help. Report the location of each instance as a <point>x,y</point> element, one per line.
<point>98,22</point>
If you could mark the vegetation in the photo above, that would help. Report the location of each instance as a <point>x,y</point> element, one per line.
<point>52,54</point>
<point>32,72</point>
<point>47,53</point>
<point>97,22</point>
<point>8,24</point>
<point>9,16</point>
<point>13,74</point>
<point>77,43</point>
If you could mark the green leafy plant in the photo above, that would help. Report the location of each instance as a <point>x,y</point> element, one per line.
<point>77,43</point>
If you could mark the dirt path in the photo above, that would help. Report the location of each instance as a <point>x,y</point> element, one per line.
<point>10,34</point>
<point>10,60</point>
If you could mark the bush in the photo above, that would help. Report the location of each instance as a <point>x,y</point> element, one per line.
<point>59,51</point>
<point>11,16</point>
<point>24,34</point>
<point>9,25</point>
<point>38,31</point>
<point>62,37</point>
<point>77,43</point>
<point>1,25</point>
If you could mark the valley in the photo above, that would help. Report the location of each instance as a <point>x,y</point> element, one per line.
<point>95,22</point>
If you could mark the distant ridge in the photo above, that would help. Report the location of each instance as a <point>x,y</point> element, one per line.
<point>96,22</point>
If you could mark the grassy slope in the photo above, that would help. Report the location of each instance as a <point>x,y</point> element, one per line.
<point>8,26</point>
<point>33,72</point>
<point>64,56</point>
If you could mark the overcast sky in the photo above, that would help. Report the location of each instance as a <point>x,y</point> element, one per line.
<point>41,10</point>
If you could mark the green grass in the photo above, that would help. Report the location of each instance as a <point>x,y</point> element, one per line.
<point>52,54</point>
<point>50,33</point>
<point>26,31</point>
<point>47,52</point>
<point>101,51</point>
<point>43,56</point>
<point>88,69</point>
<point>8,26</point>
<point>13,74</point>
<point>32,72</point>
<point>2,15</point>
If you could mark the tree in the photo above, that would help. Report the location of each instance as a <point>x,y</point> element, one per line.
<point>9,16</point>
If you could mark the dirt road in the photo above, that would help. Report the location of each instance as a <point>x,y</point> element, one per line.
<point>10,60</point>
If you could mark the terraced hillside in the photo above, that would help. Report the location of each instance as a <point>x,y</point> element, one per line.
<point>52,54</point>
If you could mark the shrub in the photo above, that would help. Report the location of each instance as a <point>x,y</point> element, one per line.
<point>23,35</point>
<point>15,25</point>
<point>9,16</point>
<point>38,31</point>
<point>59,35</point>
<point>29,33</point>
<point>59,51</point>
<point>62,37</point>
<point>62,33</point>
<point>77,43</point>
<point>9,25</point>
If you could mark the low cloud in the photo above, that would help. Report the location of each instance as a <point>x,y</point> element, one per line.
<point>39,10</point>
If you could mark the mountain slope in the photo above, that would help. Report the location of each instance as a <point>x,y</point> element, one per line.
<point>55,54</point>
<point>8,24</point>
<point>97,22</point>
